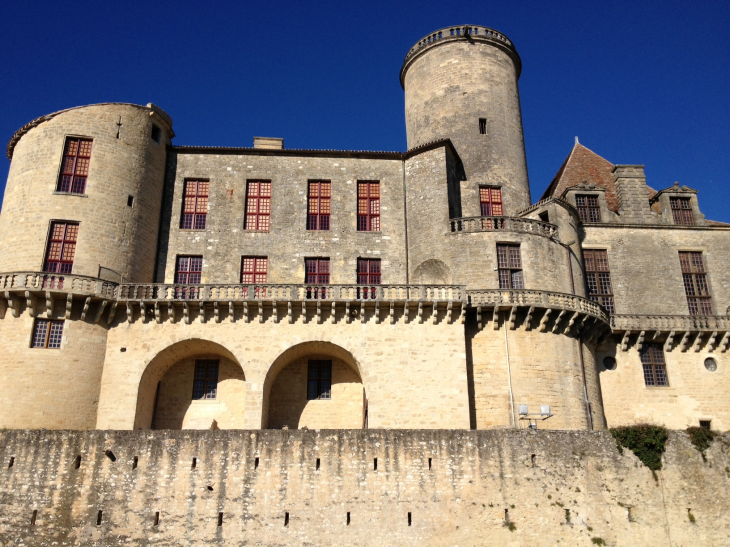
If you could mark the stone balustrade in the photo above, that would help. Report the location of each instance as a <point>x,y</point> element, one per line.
<point>456,32</point>
<point>670,322</point>
<point>503,224</point>
<point>53,282</point>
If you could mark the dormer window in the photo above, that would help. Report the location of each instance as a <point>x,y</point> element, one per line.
<point>588,209</point>
<point>682,211</point>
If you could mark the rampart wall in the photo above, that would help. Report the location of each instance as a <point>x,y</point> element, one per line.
<point>434,487</point>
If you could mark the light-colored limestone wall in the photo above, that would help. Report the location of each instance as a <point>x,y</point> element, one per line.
<point>50,388</point>
<point>448,88</point>
<point>645,270</point>
<point>288,404</point>
<point>225,241</point>
<point>694,393</point>
<point>543,368</point>
<point>176,408</point>
<point>558,488</point>
<point>414,374</point>
<point>111,234</point>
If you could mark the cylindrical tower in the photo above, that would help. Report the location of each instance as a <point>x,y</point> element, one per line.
<point>461,83</point>
<point>84,192</point>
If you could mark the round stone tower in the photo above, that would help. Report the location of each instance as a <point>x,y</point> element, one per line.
<point>98,169</point>
<point>461,83</point>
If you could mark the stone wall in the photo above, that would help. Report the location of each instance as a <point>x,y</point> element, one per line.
<point>298,488</point>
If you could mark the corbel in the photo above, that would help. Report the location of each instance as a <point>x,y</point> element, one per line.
<point>129,310</point>
<point>304,311</point>
<point>246,318</point>
<point>260,310</point>
<point>69,305</point>
<point>49,304</point>
<point>333,316</point>
<point>377,312</point>
<point>577,326</point>
<point>275,311</point>
<point>216,312</point>
<point>698,342</point>
<point>512,317</point>
<point>85,310</point>
<point>495,318</point>
<point>112,312</point>
<point>13,302</point>
<point>711,343</point>
<point>669,341</point>
<point>289,315</point>
<point>231,311</point>
<point>143,310</point>
<point>435,313</point>
<point>558,320</point>
<point>348,317</point>
<point>479,317</point>
<point>449,311</point>
<point>420,311</point>
<point>406,312</point>
<point>100,311</point>
<point>30,303</point>
<point>640,340</point>
<point>158,313</point>
<point>625,341</point>
<point>684,342</point>
<point>201,314</point>
<point>186,312</point>
<point>392,313</point>
<point>725,342</point>
<point>571,323</point>
<point>362,312</point>
<point>655,334</point>
<point>545,319</point>
<point>319,312</point>
<point>462,314</point>
<point>528,319</point>
<point>171,312</point>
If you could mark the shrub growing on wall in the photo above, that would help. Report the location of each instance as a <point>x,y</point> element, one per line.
<point>701,438</point>
<point>647,442</point>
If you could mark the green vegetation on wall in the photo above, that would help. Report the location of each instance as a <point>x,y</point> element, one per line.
<point>646,441</point>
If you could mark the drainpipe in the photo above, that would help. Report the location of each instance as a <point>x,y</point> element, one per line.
<point>405,220</point>
<point>509,377</point>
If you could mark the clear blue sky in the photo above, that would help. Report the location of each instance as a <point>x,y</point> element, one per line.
<point>638,82</point>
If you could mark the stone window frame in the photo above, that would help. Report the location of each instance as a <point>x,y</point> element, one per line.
<point>317,276</point>
<point>50,337</point>
<point>367,220</point>
<point>258,220</point>
<point>156,129</point>
<point>63,265</point>
<point>586,210</point>
<point>506,270</point>
<point>663,197</point>
<point>487,190</point>
<point>682,213</point>
<point>656,368</point>
<point>599,297</point>
<point>697,298</point>
<point>187,292</point>
<point>607,216</point>
<point>368,276</point>
<point>319,205</point>
<point>60,171</point>
<point>203,377</point>
<point>193,203</point>
<point>316,390</point>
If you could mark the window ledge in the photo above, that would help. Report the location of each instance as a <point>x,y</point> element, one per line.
<point>70,194</point>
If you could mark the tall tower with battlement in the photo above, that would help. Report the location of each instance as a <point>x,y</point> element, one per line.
<point>460,83</point>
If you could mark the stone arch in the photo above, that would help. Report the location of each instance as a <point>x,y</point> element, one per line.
<point>296,356</point>
<point>165,361</point>
<point>432,272</point>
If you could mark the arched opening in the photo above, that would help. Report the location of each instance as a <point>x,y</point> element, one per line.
<point>314,385</point>
<point>193,384</point>
<point>432,272</point>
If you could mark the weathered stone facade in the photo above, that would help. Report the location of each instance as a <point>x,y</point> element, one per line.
<point>480,305</point>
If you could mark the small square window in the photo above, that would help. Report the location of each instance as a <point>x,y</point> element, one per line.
<point>156,134</point>
<point>130,201</point>
<point>706,424</point>
<point>483,126</point>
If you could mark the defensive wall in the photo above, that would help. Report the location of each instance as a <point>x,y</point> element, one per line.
<point>347,487</point>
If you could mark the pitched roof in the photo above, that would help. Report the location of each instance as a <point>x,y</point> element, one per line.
<point>582,165</point>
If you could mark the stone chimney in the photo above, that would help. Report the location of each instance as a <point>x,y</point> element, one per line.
<point>632,193</point>
<point>271,143</point>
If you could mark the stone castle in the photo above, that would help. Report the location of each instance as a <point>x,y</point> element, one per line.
<point>152,286</point>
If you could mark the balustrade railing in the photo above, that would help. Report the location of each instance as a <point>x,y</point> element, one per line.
<point>670,322</point>
<point>543,299</point>
<point>457,32</point>
<point>42,281</point>
<point>503,224</point>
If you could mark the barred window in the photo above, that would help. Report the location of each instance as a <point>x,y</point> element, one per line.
<point>368,206</point>
<point>319,380</point>
<point>195,205</point>
<point>258,205</point>
<point>74,166</point>
<point>318,205</point>
<point>509,265</point>
<point>682,211</point>
<point>695,283</point>
<point>205,385</point>
<point>188,271</point>
<point>47,333</point>
<point>655,369</point>
<point>317,272</point>
<point>588,208</point>
<point>368,273</point>
<point>61,247</point>
<point>598,279</point>
<point>490,201</point>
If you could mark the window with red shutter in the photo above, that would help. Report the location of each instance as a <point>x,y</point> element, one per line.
<point>368,273</point>
<point>318,205</point>
<point>188,271</point>
<point>74,166</point>
<point>368,206</point>
<point>195,205</point>
<point>490,200</point>
<point>61,247</point>
<point>258,205</point>
<point>317,272</point>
